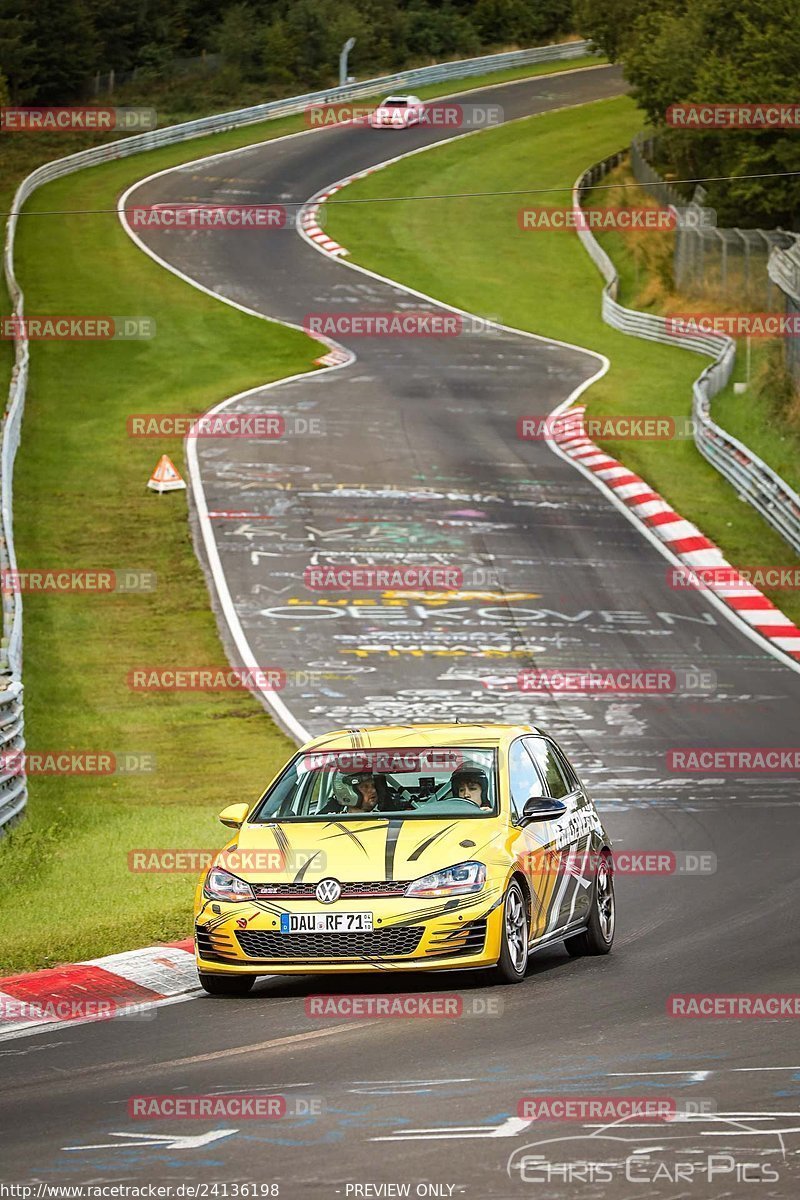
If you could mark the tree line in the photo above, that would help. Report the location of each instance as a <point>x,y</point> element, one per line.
<point>713,51</point>
<point>51,48</point>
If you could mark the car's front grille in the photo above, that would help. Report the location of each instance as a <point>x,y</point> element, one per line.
<point>350,891</point>
<point>384,943</point>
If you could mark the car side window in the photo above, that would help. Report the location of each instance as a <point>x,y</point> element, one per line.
<point>573,783</point>
<point>524,779</point>
<point>543,754</point>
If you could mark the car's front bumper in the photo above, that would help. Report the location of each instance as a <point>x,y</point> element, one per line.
<point>408,935</point>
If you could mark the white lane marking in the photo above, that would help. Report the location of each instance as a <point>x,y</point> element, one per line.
<point>701,1074</point>
<point>379,1083</point>
<point>143,1007</point>
<point>695,1076</point>
<point>400,1087</point>
<point>31,1049</point>
<point>509,1128</point>
<point>745,1132</point>
<point>289,1040</point>
<point>761,1068</point>
<point>280,711</point>
<point>160,1141</point>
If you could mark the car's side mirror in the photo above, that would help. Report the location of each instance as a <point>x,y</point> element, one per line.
<point>542,808</point>
<point>234,815</point>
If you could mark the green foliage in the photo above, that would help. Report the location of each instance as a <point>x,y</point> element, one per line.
<point>17,52</point>
<point>66,48</point>
<point>774,383</point>
<point>439,32</point>
<point>50,51</point>
<point>609,24</point>
<point>713,51</point>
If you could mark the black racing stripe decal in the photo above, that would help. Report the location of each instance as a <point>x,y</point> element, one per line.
<point>423,846</point>
<point>301,873</point>
<point>284,845</point>
<point>392,834</point>
<point>347,832</point>
<point>427,914</point>
<point>500,899</point>
<point>344,830</point>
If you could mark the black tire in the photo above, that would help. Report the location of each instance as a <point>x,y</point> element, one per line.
<point>226,985</point>
<point>513,960</point>
<point>598,936</point>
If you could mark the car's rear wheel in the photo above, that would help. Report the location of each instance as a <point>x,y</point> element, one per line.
<point>513,960</point>
<point>598,936</point>
<point>226,985</point>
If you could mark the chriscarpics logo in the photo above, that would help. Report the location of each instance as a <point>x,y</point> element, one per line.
<point>685,1153</point>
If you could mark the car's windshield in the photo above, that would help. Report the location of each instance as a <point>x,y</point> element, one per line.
<point>356,784</point>
<point>395,102</point>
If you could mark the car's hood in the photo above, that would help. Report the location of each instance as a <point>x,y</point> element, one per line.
<point>378,848</point>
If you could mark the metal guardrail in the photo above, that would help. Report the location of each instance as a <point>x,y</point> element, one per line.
<point>13,794</point>
<point>784,269</point>
<point>755,482</point>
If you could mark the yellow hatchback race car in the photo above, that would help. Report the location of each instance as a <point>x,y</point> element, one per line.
<point>410,847</point>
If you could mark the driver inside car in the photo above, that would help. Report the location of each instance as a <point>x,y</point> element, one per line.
<point>354,792</point>
<point>470,782</point>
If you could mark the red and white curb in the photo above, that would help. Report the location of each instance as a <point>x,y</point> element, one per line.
<point>309,223</point>
<point>681,537</point>
<point>337,357</point>
<point>309,216</point>
<point>100,988</point>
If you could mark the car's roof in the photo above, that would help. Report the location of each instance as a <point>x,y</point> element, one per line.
<point>439,734</point>
<point>406,97</point>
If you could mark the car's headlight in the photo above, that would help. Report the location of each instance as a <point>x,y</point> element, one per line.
<point>453,881</point>
<point>221,885</point>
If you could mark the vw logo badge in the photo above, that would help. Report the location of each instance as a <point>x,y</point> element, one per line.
<point>328,891</point>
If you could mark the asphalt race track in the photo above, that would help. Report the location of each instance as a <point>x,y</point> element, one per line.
<point>419,463</point>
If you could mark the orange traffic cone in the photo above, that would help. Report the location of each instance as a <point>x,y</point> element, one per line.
<point>166,477</point>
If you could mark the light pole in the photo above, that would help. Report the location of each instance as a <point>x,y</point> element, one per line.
<point>346,48</point>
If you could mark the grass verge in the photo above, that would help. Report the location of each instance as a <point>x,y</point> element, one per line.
<point>80,501</point>
<point>543,281</point>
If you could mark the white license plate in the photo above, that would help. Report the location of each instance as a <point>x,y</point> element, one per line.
<point>339,922</point>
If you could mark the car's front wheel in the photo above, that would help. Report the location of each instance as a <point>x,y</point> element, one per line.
<point>598,936</point>
<point>513,960</point>
<point>226,985</point>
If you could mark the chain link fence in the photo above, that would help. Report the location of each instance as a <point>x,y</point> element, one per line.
<point>103,83</point>
<point>711,262</point>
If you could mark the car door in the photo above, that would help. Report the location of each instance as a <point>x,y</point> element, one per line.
<point>539,854</point>
<point>574,839</point>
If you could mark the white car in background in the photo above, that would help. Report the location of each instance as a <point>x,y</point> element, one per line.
<point>397,112</point>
